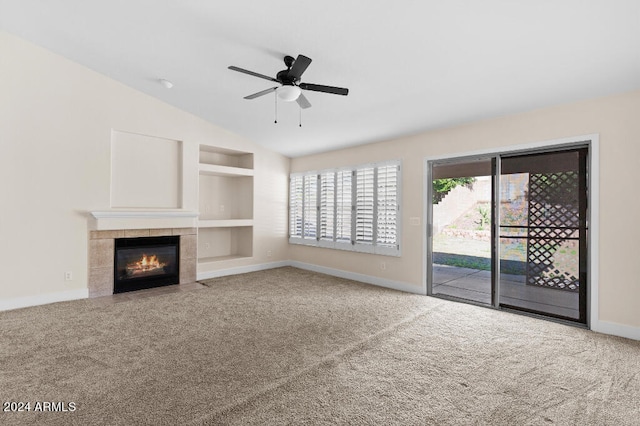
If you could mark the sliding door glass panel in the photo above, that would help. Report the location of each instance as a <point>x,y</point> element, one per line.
<point>462,237</point>
<point>543,234</point>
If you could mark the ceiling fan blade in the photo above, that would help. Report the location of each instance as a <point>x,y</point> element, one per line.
<point>255,74</point>
<point>299,66</point>
<point>325,89</point>
<point>303,102</point>
<point>262,93</point>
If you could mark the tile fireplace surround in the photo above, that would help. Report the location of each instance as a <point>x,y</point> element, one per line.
<point>102,247</point>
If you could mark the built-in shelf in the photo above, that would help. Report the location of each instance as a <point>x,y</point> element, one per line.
<point>225,157</point>
<point>225,192</point>
<point>218,170</point>
<point>221,242</point>
<point>224,223</point>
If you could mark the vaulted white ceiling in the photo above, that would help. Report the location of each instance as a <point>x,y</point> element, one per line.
<point>410,65</point>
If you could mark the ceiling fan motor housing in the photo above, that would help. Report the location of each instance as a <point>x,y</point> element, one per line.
<point>284,78</point>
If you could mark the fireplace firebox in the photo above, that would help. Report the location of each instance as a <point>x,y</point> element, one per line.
<point>146,262</point>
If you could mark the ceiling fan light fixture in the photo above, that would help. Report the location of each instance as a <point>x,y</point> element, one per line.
<point>289,93</point>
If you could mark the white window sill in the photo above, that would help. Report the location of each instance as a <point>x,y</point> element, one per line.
<point>358,248</point>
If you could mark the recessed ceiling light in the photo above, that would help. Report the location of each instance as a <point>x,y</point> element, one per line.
<point>166,83</point>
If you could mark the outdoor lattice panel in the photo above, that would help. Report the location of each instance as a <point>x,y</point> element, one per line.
<point>554,219</point>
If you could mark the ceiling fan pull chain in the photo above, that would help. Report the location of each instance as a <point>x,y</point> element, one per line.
<point>276,103</point>
<point>300,117</point>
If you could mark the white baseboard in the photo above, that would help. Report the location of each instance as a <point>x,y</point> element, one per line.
<point>43,299</point>
<point>241,270</point>
<point>368,279</point>
<point>616,329</point>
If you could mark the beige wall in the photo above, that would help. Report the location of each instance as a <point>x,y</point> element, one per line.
<point>56,119</point>
<point>616,119</point>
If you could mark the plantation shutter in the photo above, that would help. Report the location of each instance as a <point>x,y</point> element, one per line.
<point>387,205</point>
<point>355,208</point>
<point>364,205</point>
<point>310,223</point>
<point>343,205</point>
<point>327,205</point>
<point>295,206</point>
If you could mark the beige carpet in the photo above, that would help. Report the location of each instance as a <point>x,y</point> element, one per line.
<point>288,346</point>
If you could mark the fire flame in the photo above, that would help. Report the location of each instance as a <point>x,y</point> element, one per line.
<point>147,263</point>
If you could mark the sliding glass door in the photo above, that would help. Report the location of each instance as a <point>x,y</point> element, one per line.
<point>510,231</point>
<point>543,231</point>
<point>462,233</point>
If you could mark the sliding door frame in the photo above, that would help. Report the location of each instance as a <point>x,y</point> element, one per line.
<point>591,142</point>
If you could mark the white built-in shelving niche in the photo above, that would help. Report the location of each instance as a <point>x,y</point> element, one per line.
<point>225,198</point>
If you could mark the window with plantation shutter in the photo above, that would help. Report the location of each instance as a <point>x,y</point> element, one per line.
<point>353,208</point>
<point>295,206</point>
<point>327,205</point>
<point>364,205</point>
<point>387,205</point>
<point>343,206</point>
<point>310,209</point>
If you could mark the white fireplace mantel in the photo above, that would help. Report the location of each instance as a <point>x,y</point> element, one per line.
<point>142,219</point>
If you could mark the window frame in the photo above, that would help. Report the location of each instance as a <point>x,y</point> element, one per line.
<point>373,247</point>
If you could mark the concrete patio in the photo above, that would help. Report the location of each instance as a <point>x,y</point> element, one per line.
<point>475,285</point>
